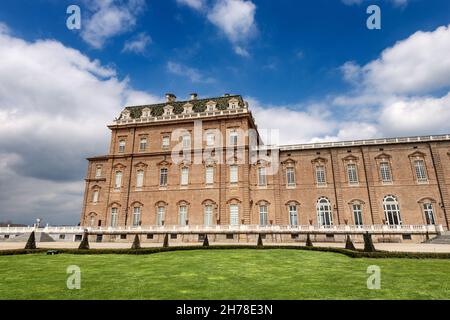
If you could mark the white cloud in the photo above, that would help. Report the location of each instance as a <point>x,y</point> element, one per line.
<point>193,74</point>
<point>194,4</point>
<point>109,19</point>
<point>53,113</point>
<point>137,44</point>
<point>241,51</point>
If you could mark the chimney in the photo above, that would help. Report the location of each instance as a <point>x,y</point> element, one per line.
<point>193,96</point>
<point>170,97</point>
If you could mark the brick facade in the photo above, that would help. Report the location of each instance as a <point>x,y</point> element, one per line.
<point>230,113</point>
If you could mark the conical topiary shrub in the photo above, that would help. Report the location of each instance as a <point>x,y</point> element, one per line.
<point>84,244</point>
<point>31,243</point>
<point>349,244</point>
<point>368,244</point>
<point>166,241</point>
<point>206,241</point>
<point>308,241</point>
<point>136,243</point>
<point>260,242</point>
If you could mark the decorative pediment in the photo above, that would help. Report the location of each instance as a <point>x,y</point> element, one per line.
<point>185,163</point>
<point>164,163</point>
<point>350,158</point>
<point>209,202</point>
<point>161,204</point>
<point>183,203</point>
<point>115,204</point>
<point>292,203</point>
<point>427,200</point>
<point>289,162</point>
<point>417,155</point>
<point>210,162</point>
<point>319,160</point>
<point>356,201</point>
<point>188,107</point>
<point>119,166</point>
<point>136,204</point>
<point>262,203</point>
<point>233,103</point>
<point>233,201</point>
<point>125,114</point>
<point>262,163</point>
<point>383,156</point>
<point>141,164</point>
<point>168,110</point>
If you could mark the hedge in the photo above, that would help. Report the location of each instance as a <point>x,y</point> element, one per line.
<point>349,253</point>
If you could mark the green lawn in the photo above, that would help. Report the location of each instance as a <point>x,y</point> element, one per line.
<point>222,274</point>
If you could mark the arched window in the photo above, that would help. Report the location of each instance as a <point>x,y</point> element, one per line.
<point>136,216</point>
<point>92,217</point>
<point>428,210</point>
<point>392,211</point>
<point>208,215</point>
<point>160,213</point>
<point>182,215</point>
<point>114,213</point>
<point>324,212</point>
<point>357,214</point>
<point>263,214</point>
<point>140,178</point>
<point>293,214</point>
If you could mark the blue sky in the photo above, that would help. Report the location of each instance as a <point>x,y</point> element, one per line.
<point>310,69</point>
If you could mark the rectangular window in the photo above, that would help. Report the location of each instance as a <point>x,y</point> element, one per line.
<point>121,146</point>
<point>184,176</point>
<point>186,141</point>
<point>136,216</point>
<point>357,214</point>
<point>166,142</point>
<point>262,177</point>
<point>163,177</point>
<point>234,215</point>
<point>210,141</point>
<point>182,215</point>
<point>421,173</point>
<point>209,175</point>
<point>320,175</point>
<point>234,174</point>
<point>352,173</point>
<point>290,176</point>
<point>263,215</point>
<point>140,179</point>
<point>113,217</point>
<point>118,180</point>
<point>98,172</point>
<point>143,144</point>
<point>385,171</point>
<point>233,139</point>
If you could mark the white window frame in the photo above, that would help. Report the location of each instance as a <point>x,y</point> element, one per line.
<point>122,144</point>
<point>208,212</point>
<point>163,177</point>
<point>391,210</point>
<point>262,177</point>
<point>140,178</point>
<point>263,215</point>
<point>357,214</point>
<point>182,215</point>
<point>136,216</point>
<point>324,212</point>
<point>143,144</point>
<point>428,210</point>
<point>98,171</point>
<point>290,176</point>
<point>234,214</point>
<point>321,178</point>
<point>160,215</point>
<point>385,172</point>
<point>293,215</point>
<point>165,142</point>
<point>352,173</point>
<point>421,172</point>
<point>234,137</point>
<point>234,173</point>
<point>184,179</point>
<point>114,215</point>
<point>118,180</point>
<point>209,175</point>
<point>210,139</point>
<point>186,140</point>
<point>95,195</point>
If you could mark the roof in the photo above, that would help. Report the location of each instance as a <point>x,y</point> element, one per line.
<point>198,105</point>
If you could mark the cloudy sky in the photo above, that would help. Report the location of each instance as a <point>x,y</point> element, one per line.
<point>309,68</point>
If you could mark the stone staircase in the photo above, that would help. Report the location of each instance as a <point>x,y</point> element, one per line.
<point>444,238</point>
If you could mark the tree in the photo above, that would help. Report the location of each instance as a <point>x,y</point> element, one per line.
<point>206,241</point>
<point>349,244</point>
<point>166,241</point>
<point>308,241</point>
<point>260,242</point>
<point>31,243</point>
<point>84,244</point>
<point>368,244</point>
<point>136,243</point>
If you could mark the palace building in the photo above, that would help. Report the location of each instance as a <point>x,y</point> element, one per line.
<point>380,184</point>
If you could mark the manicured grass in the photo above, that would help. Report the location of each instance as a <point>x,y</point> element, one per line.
<point>222,274</point>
